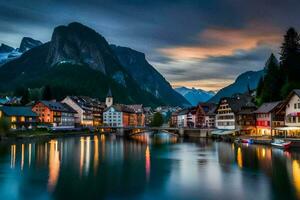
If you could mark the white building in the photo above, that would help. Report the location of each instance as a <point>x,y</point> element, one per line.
<point>113,117</point>
<point>227,110</point>
<point>292,114</point>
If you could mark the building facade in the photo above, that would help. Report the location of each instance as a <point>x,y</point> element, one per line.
<point>55,114</point>
<point>120,116</point>
<point>20,118</point>
<point>85,112</point>
<point>269,116</point>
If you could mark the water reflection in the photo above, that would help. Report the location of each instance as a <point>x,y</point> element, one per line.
<point>96,153</point>
<point>296,176</point>
<point>239,157</point>
<point>148,162</point>
<point>54,164</point>
<point>13,156</point>
<point>110,167</point>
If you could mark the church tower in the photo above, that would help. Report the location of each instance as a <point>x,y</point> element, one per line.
<point>109,99</point>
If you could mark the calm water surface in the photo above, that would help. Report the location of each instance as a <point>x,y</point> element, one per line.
<point>102,167</point>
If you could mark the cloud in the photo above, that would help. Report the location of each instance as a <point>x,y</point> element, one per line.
<point>225,42</point>
<point>188,41</point>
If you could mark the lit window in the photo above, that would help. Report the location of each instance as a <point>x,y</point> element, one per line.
<point>13,119</point>
<point>22,119</point>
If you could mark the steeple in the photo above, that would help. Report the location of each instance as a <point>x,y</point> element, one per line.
<point>109,93</point>
<point>109,99</point>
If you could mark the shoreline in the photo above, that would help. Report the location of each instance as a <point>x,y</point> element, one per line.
<point>43,136</point>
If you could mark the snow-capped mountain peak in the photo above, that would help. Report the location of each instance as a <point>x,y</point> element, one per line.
<point>195,96</point>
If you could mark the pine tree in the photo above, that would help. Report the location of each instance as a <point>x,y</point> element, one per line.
<point>272,81</point>
<point>259,87</point>
<point>47,94</point>
<point>290,55</point>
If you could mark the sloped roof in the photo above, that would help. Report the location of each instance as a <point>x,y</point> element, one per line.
<point>138,108</point>
<point>87,103</point>
<point>267,107</point>
<point>121,108</point>
<point>18,111</point>
<point>183,111</point>
<point>58,106</point>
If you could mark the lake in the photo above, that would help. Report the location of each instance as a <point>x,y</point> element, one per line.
<point>108,167</point>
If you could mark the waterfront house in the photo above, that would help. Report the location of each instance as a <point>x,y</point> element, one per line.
<point>55,114</point>
<point>19,117</point>
<point>227,110</point>
<point>174,119</point>
<point>269,116</point>
<point>139,112</point>
<point>246,119</point>
<point>89,111</point>
<point>292,114</point>
<point>186,117</point>
<point>205,116</point>
<point>119,116</point>
<point>148,112</point>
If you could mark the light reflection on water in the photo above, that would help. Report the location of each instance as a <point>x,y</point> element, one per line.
<point>101,166</point>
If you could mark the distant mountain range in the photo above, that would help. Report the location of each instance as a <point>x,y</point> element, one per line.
<point>195,96</point>
<point>245,81</point>
<point>8,53</point>
<point>79,61</point>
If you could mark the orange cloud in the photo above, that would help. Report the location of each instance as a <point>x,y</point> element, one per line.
<point>225,42</point>
<point>209,84</point>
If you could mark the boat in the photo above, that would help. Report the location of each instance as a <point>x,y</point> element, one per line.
<point>281,144</point>
<point>248,141</point>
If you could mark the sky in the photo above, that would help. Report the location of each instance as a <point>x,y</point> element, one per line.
<point>194,43</point>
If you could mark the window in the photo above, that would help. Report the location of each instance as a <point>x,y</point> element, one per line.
<point>22,119</point>
<point>295,106</point>
<point>13,119</point>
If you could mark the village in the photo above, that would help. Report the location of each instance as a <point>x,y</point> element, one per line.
<point>236,115</point>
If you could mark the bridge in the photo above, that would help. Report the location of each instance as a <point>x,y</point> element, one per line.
<point>181,131</point>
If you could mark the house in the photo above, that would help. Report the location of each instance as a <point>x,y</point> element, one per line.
<point>246,119</point>
<point>148,112</point>
<point>268,117</point>
<point>89,111</point>
<point>292,114</point>
<point>139,111</point>
<point>205,116</point>
<point>186,117</point>
<point>55,114</point>
<point>119,116</point>
<point>227,110</point>
<point>174,119</point>
<point>19,117</point>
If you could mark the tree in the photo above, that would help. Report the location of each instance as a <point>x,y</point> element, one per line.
<point>47,94</point>
<point>272,81</point>
<point>290,55</point>
<point>259,87</point>
<point>157,120</point>
<point>4,125</point>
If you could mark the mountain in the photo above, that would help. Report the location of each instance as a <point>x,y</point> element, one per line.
<point>28,43</point>
<point>195,96</point>
<point>77,61</point>
<point>248,79</point>
<point>5,48</point>
<point>8,53</point>
<point>147,76</point>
